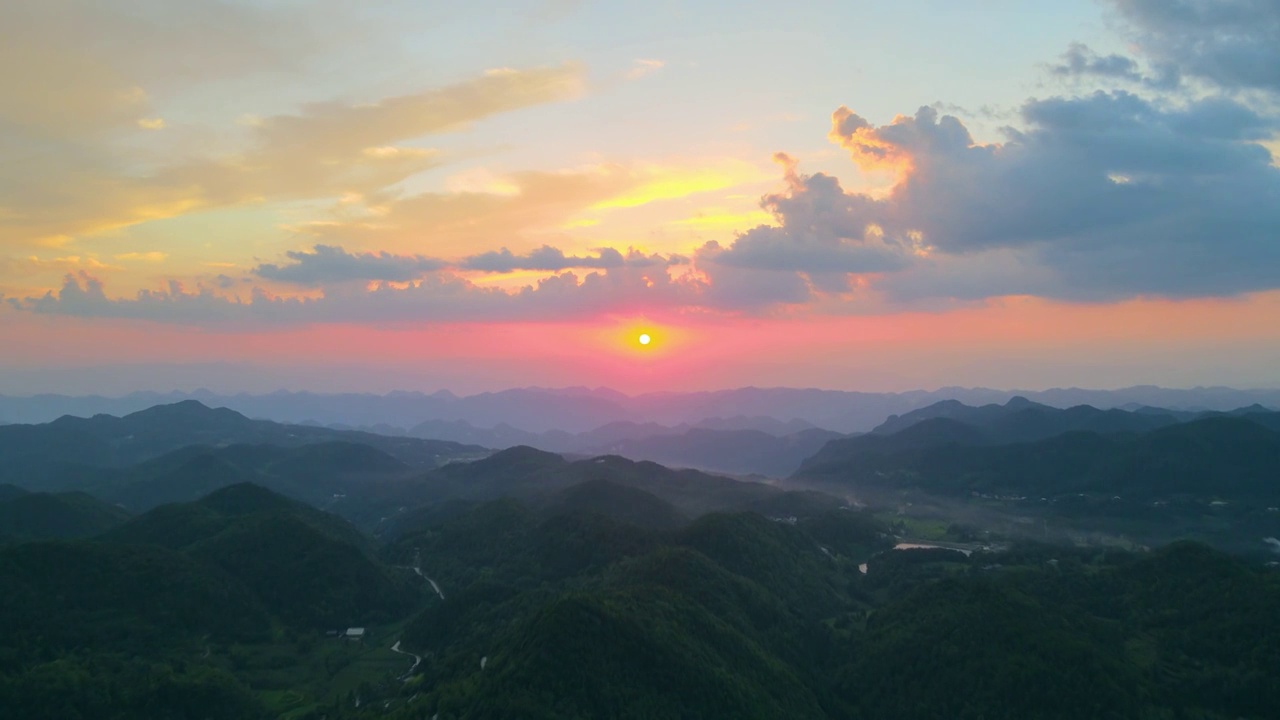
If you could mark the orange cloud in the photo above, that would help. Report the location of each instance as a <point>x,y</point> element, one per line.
<point>669,182</point>
<point>866,144</point>
<point>327,150</point>
<point>521,209</point>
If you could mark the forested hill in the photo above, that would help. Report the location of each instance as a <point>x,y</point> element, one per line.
<point>47,516</point>
<point>604,600</point>
<point>1021,420</point>
<point>34,452</point>
<point>1213,478</point>
<point>1219,458</point>
<point>575,616</point>
<point>309,568</point>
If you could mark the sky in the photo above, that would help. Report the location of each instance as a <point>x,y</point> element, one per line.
<point>253,195</point>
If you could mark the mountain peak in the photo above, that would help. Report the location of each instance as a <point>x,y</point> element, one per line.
<point>244,498</point>
<point>186,410</point>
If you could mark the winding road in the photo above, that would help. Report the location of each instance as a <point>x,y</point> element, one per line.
<point>434,586</point>
<point>417,660</point>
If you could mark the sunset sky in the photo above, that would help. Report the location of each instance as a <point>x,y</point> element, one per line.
<point>373,196</point>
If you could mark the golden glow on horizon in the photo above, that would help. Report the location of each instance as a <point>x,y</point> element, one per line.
<point>727,220</point>
<point>673,183</point>
<point>640,340</point>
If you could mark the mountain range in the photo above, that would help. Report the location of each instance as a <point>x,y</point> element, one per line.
<point>116,441</point>
<point>189,562</point>
<point>579,410</point>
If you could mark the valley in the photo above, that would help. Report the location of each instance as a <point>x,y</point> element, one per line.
<point>327,578</point>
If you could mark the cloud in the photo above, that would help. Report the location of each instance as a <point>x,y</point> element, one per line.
<point>154,256</point>
<point>1230,44</point>
<point>1098,197</point>
<point>485,209</point>
<point>643,67</point>
<point>327,264</point>
<point>548,258</point>
<point>1080,61</point>
<point>436,297</point>
<point>55,188</point>
<point>334,148</point>
<point>821,231</point>
<point>32,265</point>
<point>101,58</point>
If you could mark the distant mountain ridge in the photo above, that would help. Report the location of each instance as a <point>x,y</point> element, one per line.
<point>32,453</point>
<point>601,438</point>
<point>578,410</point>
<point>1215,476</point>
<point>735,451</point>
<point>1021,420</point>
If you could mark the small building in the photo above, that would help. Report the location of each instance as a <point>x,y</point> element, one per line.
<point>355,633</point>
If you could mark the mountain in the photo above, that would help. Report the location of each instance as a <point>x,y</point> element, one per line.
<point>618,502</point>
<point>739,616</point>
<point>762,423</point>
<point>499,436</point>
<point>8,492</point>
<point>524,472</point>
<point>49,516</point>
<point>79,594</point>
<point>575,614</point>
<point>37,454</point>
<point>349,478</point>
<point>1211,479</point>
<point>361,482</point>
<point>308,567</point>
<point>697,445</point>
<point>930,432</point>
<point>732,451</point>
<point>1021,420</point>
<point>1216,458</point>
<point>559,606</point>
<point>645,650</point>
<point>577,410</point>
<point>180,476</point>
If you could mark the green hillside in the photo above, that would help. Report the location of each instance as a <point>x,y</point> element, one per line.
<point>590,592</point>
<point>309,568</point>
<point>50,516</point>
<point>619,502</point>
<point>74,453</point>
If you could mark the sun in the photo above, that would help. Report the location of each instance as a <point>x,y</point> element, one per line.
<point>644,339</point>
